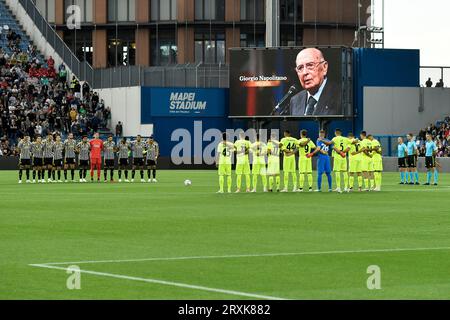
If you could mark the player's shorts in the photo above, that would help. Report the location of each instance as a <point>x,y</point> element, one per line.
<point>109,163</point>
<point>123,162</point>
<point>339,163</point>
<point>58,163</point>
<point>25,162</point>
<point>259,169</point>
<point>69,161</point>
<point>96,161</point>
<point>273,166</point>
<point>224,169</point>
<point>138,162</point>
<point>412,162</point>
<point>151,163</point>
<point>402,162</point>
<point>37,162</point>
<point>289,164</point>
<point>430,162</point>
<point>84,163</point>
<point>305,165</point>
<point>378,165</point>
<point>48,161</point>
<point>323,165</point>
<point>243,168</point>
<point>354,166</point>
<point>367,165</point>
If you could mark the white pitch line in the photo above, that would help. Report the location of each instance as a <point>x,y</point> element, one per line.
<point>311,253</point>
<point>166,283</point>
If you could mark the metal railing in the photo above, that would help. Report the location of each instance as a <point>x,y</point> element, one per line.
<point>82,70</point>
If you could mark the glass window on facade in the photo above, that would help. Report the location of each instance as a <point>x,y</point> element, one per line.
<point>86,9</point>
<point>291,10</point>
<point>47,9</point>
<point>121,10</point>
<point>252,40</point>
<point>80,42</point>
<point>163,10</point>
<point>291,36</point>
<point>121,48</point>
<point>253,10</point>
<point>164,48</point>
<point>210,10</point>
<point>210,48</point>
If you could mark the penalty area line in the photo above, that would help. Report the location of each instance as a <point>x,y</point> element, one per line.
<point>165,283</point>
<point>235,256</point>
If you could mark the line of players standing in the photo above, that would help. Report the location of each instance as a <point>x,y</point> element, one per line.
<point>54,156</point>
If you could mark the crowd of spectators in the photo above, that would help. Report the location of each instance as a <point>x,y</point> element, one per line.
<point>441,132</point>
<point>36,99</point>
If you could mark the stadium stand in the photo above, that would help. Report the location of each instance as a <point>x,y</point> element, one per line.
<point>37,99</point>
<point>441,131</point>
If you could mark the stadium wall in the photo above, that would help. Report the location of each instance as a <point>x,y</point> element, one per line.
<point>397,111</point>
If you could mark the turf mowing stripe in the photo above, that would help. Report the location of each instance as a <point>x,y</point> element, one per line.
<point>166,283</point>
<point>248,256</point>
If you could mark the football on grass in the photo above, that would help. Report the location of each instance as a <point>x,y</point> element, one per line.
<point>187,183</point>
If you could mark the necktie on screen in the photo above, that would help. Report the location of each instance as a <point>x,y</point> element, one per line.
<point>310,107</point>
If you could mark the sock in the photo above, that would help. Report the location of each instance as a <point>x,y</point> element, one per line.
<point>319,182</point>
<point>360,181</point>
<point>120,174</point>
<point>270,183</point>
<point>72,174</point>
<point>264,181</point>
<point>294,180</point>
<point>42,174</point>
<point>310,180</point>
<point>345,180</point>
<point>417,176</point>
<point>255,181</point>
<point>20,174</point>
<point>105,174</point>
<point>338,179</point>
<point>81,174</point>
<point>126,174</point>
<point>85,173</point>
<point>436,176</point>
<point>330,181</point>
<point>39,174</point>
<point>154,174</point>
<point>378,179</point>
<point>411,177</point>
<point>429,177</point>
<point>98,172</point>
<point>229,182</point>
<point>366,183</point>
<point>247,181</point>
<point>351,182</point>
<point>65,174</point>
<point>239,181</point>
<point>50,173</point>
<point>133,174</point>
<point>221,183</point>
<point>402,176</point>
<point>372,183</point>
<point>111,174</point>
<point>301,181</point>
<point>59,175</point>
<point>278,182</point>
<point>148,174</point>
<point>28,174</point>
<point>34,174</point>
<point>53,175</point>
<point>142,174</point>
<point>286,180</point>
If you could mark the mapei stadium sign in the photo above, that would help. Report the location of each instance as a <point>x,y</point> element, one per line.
<point>184,102</point>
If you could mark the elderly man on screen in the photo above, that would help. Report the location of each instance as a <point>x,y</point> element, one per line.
<point>320,97</point>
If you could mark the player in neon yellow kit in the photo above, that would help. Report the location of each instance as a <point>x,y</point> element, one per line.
<point>340,151</point>
<point>367,162</point>
<point>273,166</point>
<point>377,152</point>
<point>242,148</point>
<point>259,151</point>
<point>355,159</point>
<point>223,162</point>
<point>305,148</point>
<point>289,149</point>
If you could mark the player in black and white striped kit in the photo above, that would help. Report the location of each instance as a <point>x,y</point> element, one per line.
<point>152,158</point>
<point>109,152</point>
<point>38,161</point>
<point>48,147</point>
<point>138,148</point>
<point>25,150</point>
<point>123,153</point>
<point>58,158</point>
<point>83,149</point>
<point>70,146</point>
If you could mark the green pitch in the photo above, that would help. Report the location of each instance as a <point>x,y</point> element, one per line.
<point>246,246</point>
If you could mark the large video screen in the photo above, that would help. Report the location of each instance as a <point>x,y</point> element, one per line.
<point>290,82</point>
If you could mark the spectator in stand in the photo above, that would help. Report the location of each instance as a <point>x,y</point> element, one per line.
<point>429,83</point>
<point>440,84</point>
<point>119,129</point>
